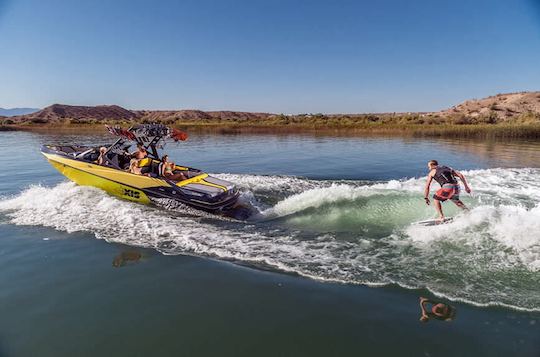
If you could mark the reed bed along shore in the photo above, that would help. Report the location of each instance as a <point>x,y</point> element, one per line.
<point>524,126</point>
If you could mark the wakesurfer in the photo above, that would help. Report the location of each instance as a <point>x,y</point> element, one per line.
<point>447,178</point>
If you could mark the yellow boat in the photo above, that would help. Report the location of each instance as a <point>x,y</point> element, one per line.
<point>198,189</point>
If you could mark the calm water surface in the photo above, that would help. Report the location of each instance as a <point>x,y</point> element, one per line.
<point>334,267</point>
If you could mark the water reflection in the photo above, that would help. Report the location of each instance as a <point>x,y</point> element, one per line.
<point>431,309</point>
<point>129,256</point>
<point>491,152</point>
<point>514,154</point>
<point>300,154</point>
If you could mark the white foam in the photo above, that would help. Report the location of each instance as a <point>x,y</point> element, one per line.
<point>519,229</point>
<point>502,226</point>
<point>274,183</point>
<point>72,208</point>
<point>316,197</point>
<point>513,227</point>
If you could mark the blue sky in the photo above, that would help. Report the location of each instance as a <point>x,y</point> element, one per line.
<point>285,56</point>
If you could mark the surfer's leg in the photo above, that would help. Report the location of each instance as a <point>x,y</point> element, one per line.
<point>438,207</point>
<point>460,205</point>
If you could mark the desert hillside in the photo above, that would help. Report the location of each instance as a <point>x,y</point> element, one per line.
<point>61,113</point>
<point>199,115</point>
<point>57,113</point>
<point>503,107</point>
<point>521,107</point>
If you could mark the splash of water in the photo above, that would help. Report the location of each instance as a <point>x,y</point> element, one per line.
<point>346,231</point>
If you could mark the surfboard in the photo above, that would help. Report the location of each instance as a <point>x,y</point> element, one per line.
<point>433,222</point>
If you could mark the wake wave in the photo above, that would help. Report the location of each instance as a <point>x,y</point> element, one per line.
<point>344,231</point>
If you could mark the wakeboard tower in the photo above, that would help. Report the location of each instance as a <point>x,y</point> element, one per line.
<point>199,190</point>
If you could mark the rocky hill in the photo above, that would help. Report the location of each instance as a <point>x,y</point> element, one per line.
<point>521,107</point>
<point>58,113</point>
<point>61,113</point>
<point>199,115</point>
<point>503,107</point>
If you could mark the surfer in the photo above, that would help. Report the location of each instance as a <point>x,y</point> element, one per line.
<point>438,311</point>
<point>446,177</point>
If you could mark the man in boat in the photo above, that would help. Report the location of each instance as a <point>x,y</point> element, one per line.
<point>446,177</point>
<point>140,153</point>
<point>137,156</point>
<point>101,158</point>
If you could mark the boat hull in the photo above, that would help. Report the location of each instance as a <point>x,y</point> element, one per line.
<point>136,188</point>
<point>85,178</point>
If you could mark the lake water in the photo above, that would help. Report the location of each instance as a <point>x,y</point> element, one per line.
<point>332,266</point>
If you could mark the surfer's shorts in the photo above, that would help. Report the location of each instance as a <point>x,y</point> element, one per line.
<point>447,192</point>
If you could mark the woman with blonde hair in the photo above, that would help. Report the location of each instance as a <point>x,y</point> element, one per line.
<point>135,169</point>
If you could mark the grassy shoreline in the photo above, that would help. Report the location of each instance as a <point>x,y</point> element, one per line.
<point>510,131</point>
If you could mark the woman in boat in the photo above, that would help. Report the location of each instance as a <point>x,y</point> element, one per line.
<point>135,169</point>
<point>167,170</point>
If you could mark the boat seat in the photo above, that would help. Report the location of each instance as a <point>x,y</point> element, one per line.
<point>145,162</point>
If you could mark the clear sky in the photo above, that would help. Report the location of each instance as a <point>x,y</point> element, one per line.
<point>285,56</point>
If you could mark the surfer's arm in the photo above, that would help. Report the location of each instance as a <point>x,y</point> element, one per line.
<point>426,189</point>
<point>462,178</point>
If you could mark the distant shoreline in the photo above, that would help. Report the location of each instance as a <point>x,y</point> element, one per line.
<point>510,131</point>
<point>510,115</point>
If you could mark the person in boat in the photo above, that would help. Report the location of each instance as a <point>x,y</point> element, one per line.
<point>140,153</point>
<point>439,310</point>
<point>101,159</point>
<point>447,178</point>
<point>167,170</point>
<point>137,155</point>
<point>135,169</point>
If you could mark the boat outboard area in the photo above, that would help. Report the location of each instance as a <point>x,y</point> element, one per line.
<point>142,175</point>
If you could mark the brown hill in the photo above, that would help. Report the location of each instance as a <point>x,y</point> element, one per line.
<point>502,107</point>
<point>61,112</point>
<point>521,107</point>
<point>199,115</point>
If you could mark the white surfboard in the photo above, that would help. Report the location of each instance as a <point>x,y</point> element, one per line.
<point>433,222</point>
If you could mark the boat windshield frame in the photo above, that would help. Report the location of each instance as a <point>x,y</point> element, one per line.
<point>149,136</point>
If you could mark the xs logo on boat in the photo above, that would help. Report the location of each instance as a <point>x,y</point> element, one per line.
<point>132,193</point>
